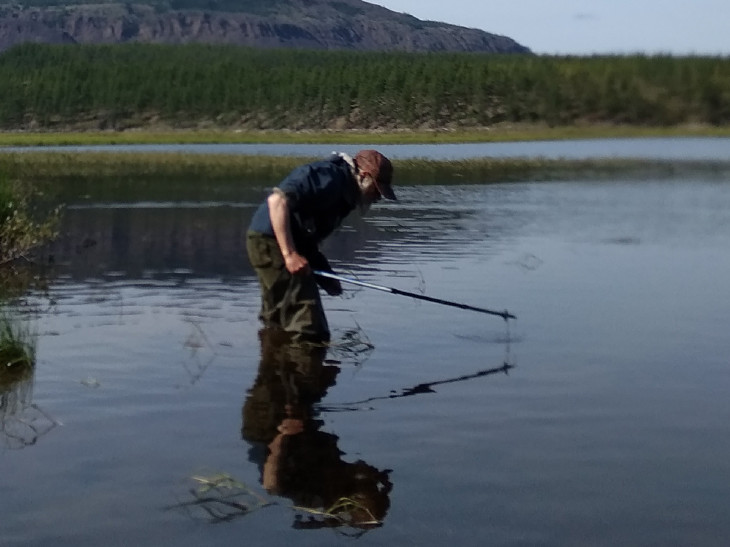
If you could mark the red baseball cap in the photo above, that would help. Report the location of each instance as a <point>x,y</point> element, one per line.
<point>380,168</point>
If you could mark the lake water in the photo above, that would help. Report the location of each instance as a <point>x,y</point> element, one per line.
<point>598,417</point>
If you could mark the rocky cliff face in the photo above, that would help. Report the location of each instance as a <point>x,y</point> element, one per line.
<point>311,24</point>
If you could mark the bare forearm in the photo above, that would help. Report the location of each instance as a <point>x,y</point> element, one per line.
<point>279,215</point>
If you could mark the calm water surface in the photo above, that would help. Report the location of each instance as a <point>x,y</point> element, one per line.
<point>611,429</point>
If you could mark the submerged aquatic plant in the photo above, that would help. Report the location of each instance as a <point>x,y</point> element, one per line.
<point>351,346</point>
<point>221,498</point>
<point>345,512</point>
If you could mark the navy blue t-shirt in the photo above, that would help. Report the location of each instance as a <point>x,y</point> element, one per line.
<point>320,195</point>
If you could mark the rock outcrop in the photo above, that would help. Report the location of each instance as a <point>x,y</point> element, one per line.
<point>311,24</point>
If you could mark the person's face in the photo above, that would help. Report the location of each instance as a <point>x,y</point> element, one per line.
<point>370,192</point>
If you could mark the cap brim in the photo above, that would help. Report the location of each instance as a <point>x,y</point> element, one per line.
<point>386,190</point>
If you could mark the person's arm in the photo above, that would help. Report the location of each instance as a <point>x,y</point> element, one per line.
<point>279,214</point>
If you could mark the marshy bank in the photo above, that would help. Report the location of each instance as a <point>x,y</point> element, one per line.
<point>82,168</point>
<point>71,135</point>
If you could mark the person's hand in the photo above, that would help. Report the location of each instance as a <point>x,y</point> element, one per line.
<point>296,264</point>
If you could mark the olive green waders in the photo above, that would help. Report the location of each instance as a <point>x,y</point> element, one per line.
<point>289,302</point>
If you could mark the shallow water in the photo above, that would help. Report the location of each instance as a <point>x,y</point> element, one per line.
<point>610,429</point>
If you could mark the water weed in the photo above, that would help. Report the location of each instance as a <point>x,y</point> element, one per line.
<point>17,350</point>
<point>220,498</point>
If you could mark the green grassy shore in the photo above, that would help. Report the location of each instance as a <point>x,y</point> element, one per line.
<point>151,168</point>
<point>505,133</point>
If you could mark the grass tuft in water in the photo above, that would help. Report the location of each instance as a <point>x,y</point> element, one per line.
<point>17,347</point>
<point>17,352</point>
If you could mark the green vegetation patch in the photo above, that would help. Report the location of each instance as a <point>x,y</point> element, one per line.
<point>62,167</point>
<point>23,229</point>
<point>500,133</point>
<point>195,85</point>
<point>122,167</point>
<point>17,351</point>
<point>28,218</point>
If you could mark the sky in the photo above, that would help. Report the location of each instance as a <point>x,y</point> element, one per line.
<point>586,27</point>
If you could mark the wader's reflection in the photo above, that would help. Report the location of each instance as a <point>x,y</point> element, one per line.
<point>296,459</point>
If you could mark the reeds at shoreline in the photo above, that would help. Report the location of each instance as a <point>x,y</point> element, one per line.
<point>496,133</point>
<point>124,166</point>
<point>17,350</point>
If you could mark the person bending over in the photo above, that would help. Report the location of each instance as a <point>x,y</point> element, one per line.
<point>286,230</point>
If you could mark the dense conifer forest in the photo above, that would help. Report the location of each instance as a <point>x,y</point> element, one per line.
<point>44,86</point>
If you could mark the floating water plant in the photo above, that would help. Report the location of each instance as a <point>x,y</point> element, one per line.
<point>345,512</point>
<point>352,345</point>
<point>221,498</point>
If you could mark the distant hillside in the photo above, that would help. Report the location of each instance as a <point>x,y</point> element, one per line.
<point>304,24</point>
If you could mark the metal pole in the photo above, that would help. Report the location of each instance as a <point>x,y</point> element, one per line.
<point>503,314</point>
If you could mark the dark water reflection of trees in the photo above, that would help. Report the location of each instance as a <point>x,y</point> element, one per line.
<point>158,241</point>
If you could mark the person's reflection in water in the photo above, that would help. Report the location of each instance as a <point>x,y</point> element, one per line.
<point>296,459</point>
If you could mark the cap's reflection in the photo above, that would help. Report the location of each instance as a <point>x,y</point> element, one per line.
<point>296,459</point>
